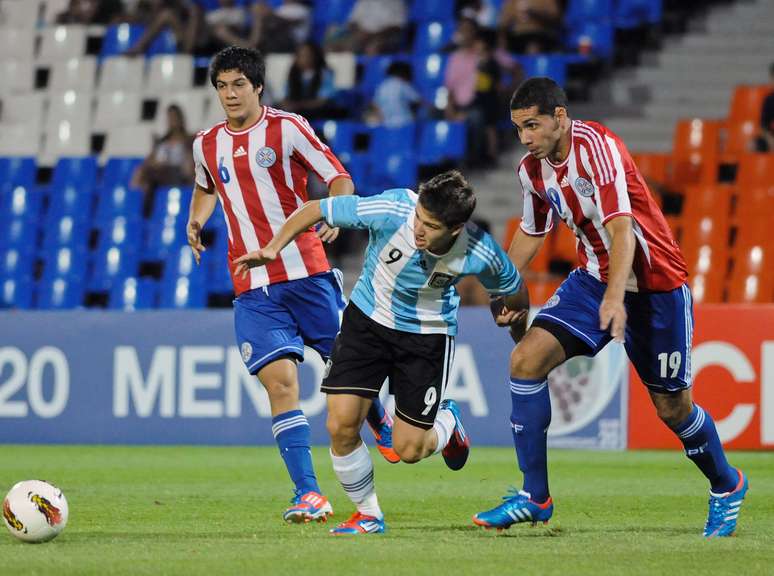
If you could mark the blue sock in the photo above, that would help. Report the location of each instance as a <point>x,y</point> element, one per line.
<point>376,414</point>
<point>291,431</point>
<point>530,417</point>
<point>702,445</point>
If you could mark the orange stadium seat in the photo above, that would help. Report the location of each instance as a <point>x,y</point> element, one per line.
<point>755,170</point>
<point>563,244</point>
<point>742,125</point>
<point>754,207</point>
<point>752,278</point>
<point>747,101</point>
<point>654,166</point>
<point>695,152</point>
<point>542,287</point>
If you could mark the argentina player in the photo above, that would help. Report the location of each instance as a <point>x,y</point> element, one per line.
<point>400,323</point>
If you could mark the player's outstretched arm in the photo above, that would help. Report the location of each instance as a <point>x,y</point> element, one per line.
<point>202,204</point>
<point>339,187</point>
<point>612,313</point>
<point>306,216</point>
<point>523,249</point>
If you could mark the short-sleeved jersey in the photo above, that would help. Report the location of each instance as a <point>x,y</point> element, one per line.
<point>599,181</point>
<point>408,289</point>
<point>260,176</point>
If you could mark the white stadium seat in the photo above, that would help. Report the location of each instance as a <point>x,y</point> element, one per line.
<point>70,105</point>
<point>213,112</point>
<point>118,108</point>
<point>64,138</point>
<point>135,140</point>
<point>169,74</point>
<point>277,68</point>
<point>26,109</point>
<point>75,73</point>
<point>121,73</point>
<point>20,14</point>
<point>18,76</point>
<point>52,9</point>
<point>343,65</point>
<point>62,43</point>
<point>17,44</point>
<point>19,140</point>
<point>192,102</point>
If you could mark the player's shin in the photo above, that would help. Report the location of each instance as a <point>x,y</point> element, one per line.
<point>355,472</point>
<point>291,432</point>
<point>530,418</point>
<point>702,445</point>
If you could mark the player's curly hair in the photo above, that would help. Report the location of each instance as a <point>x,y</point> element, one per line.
<point>248,61</point>
<point>541,92</point>
<point>448,197</point>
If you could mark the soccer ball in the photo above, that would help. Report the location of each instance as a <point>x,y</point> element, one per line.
<point>35,511</point>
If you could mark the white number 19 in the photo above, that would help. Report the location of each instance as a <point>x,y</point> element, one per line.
<point>672,361</point>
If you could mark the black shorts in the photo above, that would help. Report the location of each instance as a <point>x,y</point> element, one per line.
<point>418,366</point>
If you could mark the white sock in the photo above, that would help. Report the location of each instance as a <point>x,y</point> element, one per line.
<point>444,427</point>
<point>355,472</point>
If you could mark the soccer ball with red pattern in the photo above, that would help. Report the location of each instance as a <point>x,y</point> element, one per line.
<point>35,511</point>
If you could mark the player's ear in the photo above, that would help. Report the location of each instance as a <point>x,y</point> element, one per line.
<point>560,113</point>
<point>455,230</point>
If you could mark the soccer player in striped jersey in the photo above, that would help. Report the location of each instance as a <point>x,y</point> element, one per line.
<point>400,323</point>
<point>255,162</point>
<point>630,287</point>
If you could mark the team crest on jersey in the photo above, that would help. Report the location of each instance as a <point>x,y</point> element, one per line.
<point>247,351</point>
<point>266,157</point>
<point>440,280</point>
<point>552,301</point>
<point>584,187</point>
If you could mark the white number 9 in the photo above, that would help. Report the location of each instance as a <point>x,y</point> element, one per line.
<point>430,397</point>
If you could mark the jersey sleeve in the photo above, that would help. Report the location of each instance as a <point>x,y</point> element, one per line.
<point>307,148</point>
<point>201,175</point>
<point>601,157</point>
<point>491,264</point>
<point>375,212</point>
<point>537,216</point>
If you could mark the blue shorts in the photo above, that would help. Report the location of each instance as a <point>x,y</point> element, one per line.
<point>659,327</point>
<point>278,320</point>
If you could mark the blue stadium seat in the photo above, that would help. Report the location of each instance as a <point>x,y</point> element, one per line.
<point>373,72</point>
<point>429,70</point>
<point>339,135</point>
<point>17,171</point>
<point>133,294</point>
<point>357,166</point>
<point>118,201</point>
<point>20,202</point>
<point>78,171</point>
<point>333,11</point>
<point>433,36</point>
<point>20,233</point>
<point>64,262</point>
<point>552,65</point>
<point>110,266</point>
<point>578,11</point>
<point>118,171</point>
<point>599,36</point>
<point>16,293</point>
<point>171,201</point>
<point>386,140</point>
<point>120,231</point>
<point>164,43</point>
<point>634,13</point>
<point>441,141</point>
<point>426,10</point>
<point>166,229</point>
<point>119,38</point>
<point>181,263</point>
<point>70,200</point>
<point>66,232</point>
<point>16,263</point>
<point>393,170</point>
<point>183,292</point>
<point>60,293</point>
<point>216,264</point>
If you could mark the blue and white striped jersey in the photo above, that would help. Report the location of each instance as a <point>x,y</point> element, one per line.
<point>408,289</point>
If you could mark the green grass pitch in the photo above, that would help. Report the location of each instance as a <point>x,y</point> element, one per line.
<point>214,510</point>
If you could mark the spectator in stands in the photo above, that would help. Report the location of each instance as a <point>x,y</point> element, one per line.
<point>767,117</point>
<point>460,78</point>
<point>486,102</point>
<point>482,11</point>
<point>374,27</point>
<point>531,26</point>
<point>396,100</point>
<point>285,27</point>
<point>310,88</point>
<point>90,12</point>
<point>170,162</point>
<point>182,17</point>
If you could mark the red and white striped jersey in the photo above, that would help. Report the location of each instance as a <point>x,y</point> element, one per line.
<point>597,182</point>
<point>260,176</point>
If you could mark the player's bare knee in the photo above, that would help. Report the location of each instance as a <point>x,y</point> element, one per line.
<point>527,365</point>
<point>409,453</point>
<point>343,434</point>
<point>281,389</point>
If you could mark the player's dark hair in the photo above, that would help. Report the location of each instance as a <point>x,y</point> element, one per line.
<point>248,61</point>
<point>448,197</point>
<point>541,92</point>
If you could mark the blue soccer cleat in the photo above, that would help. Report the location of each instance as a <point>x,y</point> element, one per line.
<point>516,508</point>
<point>724,510</point>
<point>360,524</point>
<point>307,507</point>
<point>383,437</point>
<point>456,452</point>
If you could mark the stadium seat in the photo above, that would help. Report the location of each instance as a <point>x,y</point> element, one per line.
<point>71,137</point>
<point>131,140</point>
<point>754,204</point>
<point>118,200</point>
<point>18,233</point>
<point>120,231</point>
<point>52,9</point>
<point>60,293</point>
<point>17,44</point>
<point>634,13</point>
<point>60,43</point>
<point>429,10</point>
<point>110,267</point>
<point>121,73</point>
<point>67,231</point>
<point>333,11</point>
<point>277,69</point>
<point>16,293</point>
<point>591,37</point>
<point>16,262</point>
<point>118,171</point>
<point>542,288</point>
<point>119,38</point>
<point>183,292</point>
<point>19,140</point>
<point>433,36</point>
<point>78,73</point>
<point>339,135</point>
<point>26,109</point>
<point>562,244</point>
<point>578,10</point>
<point>429,73</point>
<point>21,14</point>
<point>117,108</point>
<point>18,76</point>
<point>133,294</point>
<point>344,68</point>
<point>77,171</point>
<point>70,105</point>
<point>747,102</point>
<point>552,65</point>
<point>755,170</point>
<point>192,103</point>
<point>695,152</point>
<point>166,228</point>
<point>218,275</point>
<point>386,140</point>
<point>20,201</point>
<point>752,280</point>
<point>17,171</point>
<point>357,165</point>
<point>167,73</point>
<point>164,43</point>
<point>392,170</point>
<point>441,141</point>
<point>64,262</point>
<point>654,166</point>
<point>373,70</point>
<point>181,263</point>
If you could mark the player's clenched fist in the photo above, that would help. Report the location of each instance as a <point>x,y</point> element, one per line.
<point>194,232</point>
